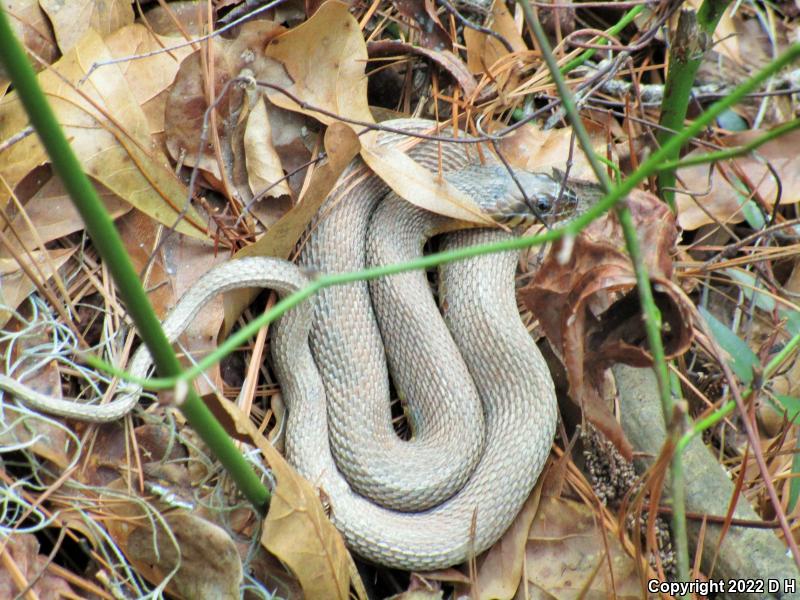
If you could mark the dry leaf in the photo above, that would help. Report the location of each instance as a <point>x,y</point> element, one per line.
<point>296,529</point>
<point>152,75</point>
<point>108,131</point>
<point>263,163</point>
<point>322,63</point>
<point>22,564</point>
<point>445,59</point>
<point>30,25</point>
<point>500,569</point>
<point>52,215</point>
<point>331,76</point>
<point>200,557</point>
<point>566,556</point>
<point>73,19</point>
<point>589,309</point>
<point>483,50</point>
<point>536,150</point>
<point>16,284</point>
<point>188,97</point>
<point>723,202</point>
<point>414,183</point>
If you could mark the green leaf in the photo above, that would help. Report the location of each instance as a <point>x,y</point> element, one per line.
<point>788,404</point>
<point>792,320</point>
<point>752,288</point>
<point>731,121</point>
<point>741,359</point>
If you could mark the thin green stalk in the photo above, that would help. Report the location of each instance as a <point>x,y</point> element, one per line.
<point>672,418</point>
<point>726,409</point>
<point>689,45</point>
<point>710,157</point>
<point>626,19</point>
<point>567,101</point>
<point>652,316</point>
<point>108,243</point>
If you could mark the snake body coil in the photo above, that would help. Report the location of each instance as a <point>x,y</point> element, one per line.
<point>482,407</point>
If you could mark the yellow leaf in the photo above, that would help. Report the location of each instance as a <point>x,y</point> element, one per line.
<point>296,529</point>
<point>108,131</point>
<point>322,62</point>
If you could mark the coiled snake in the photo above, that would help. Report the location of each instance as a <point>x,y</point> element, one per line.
<point>480,399</point>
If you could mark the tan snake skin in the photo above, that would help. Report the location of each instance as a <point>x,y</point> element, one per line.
<point>483,424</point>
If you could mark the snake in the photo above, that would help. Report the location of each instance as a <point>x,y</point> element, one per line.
<point>477,393</point>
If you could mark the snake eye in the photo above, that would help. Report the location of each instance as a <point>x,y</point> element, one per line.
<point>541,204</point>
<point>544,204</point>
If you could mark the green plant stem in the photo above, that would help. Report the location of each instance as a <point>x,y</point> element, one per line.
<point>567,101</point>
<point>652,316</point>
<point>624,21</point>
<point>709,157</point>
<point>689,45</point>
<point>108,243</point>
<point>726,409</point>
<point>673,419</point>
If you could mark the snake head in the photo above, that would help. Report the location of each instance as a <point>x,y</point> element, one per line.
<point>517,197</point>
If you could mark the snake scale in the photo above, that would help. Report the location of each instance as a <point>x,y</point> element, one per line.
<point>480,399</point>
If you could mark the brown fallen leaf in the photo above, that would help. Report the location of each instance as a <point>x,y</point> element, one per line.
<point>414,183</point>
<point>296,529</point>
<point>446,60</point>
<point>566,556</point>
<point>188,97</point>
<point>17,285</point>
<point>151,75</point>
<point>538,150</point>
<point>724,199</point>
<point>589,309</point>
<point>72,20</point>
<point>484,50</point>
<point>21,564</point>
<point>52,215</point>
<point>322,62</point>
<point>263,163</point>
<point>108,131</point>
<point>500,568</point>
<point>198,557</point>
<point>30,25</point>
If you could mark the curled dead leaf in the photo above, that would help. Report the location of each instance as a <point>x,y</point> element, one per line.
<point>444,59</point>
<point>590,312</point>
